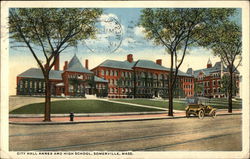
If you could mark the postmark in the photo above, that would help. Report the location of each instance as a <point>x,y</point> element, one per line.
<point>109,36</point>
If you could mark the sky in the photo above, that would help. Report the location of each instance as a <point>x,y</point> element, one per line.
<point>131,40</point>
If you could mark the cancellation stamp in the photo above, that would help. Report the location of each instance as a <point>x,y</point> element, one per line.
<point>108,37</point>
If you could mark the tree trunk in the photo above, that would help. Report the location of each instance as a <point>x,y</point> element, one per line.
<point>230,91</point>
<point>47,99</point>
<point>170,107</point>
<point>170,89</point>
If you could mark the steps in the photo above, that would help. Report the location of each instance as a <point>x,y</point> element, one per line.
<point>90,96</point>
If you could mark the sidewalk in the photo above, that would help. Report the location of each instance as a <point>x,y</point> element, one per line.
<point>104,117</point>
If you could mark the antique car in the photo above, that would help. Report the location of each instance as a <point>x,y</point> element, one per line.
<point>198,106</point>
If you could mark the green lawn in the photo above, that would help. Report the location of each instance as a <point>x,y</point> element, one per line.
<point>148,102</point>
<point>179,104</point>
<point>80,106</point>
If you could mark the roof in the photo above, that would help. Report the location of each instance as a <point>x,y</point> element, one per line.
<point>37,73</point>
<point>140,63</point>
<point>118,64</point>
<point>190,71</point>
<point>207,71</point>
<point>98,79</point>
<point>76,66</point>
<point>180,73</point>
<point>150,65</point>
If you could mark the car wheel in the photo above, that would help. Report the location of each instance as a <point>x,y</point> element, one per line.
<point>201,114</point>
<point>213,114</point>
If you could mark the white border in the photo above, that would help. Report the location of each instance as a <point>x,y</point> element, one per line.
<point>130,4</point>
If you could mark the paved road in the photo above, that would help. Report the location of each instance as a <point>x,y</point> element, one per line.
<point>221,133</point>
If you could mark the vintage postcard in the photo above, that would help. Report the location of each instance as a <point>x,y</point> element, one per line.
<point>125,79</point>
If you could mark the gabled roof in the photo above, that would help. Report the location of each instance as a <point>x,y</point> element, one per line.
<point>76,66</point>
<point>37,73</point>
<point>98,79</point>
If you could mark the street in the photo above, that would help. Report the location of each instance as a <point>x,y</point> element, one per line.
<point>220,134</point>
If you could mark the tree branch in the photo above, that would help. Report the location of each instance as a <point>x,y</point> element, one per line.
<point>19,29</point>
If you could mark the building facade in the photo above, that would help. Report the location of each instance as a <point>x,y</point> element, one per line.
<point>141,79</point>
<point>73,80</point>
<point>208,81</point>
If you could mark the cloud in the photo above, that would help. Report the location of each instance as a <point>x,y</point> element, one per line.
<point>139,31</point>
<point>128,41</point>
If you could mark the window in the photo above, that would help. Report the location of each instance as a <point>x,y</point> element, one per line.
<point>70,88</point>
<point>126,74</point>
<point>143,75</point>
<point>129,74</point>
<point>214,82</point>
<point>155,76</point>
<point>26,84</point>
<point>21,84</point>
<point>31,84</point>
<point>218,82</point>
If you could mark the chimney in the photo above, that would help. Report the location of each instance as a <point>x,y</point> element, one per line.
<point>56,66</point>
<point>130,58</point>
<point>87,64</point>
<point>65,65</point>
<point>159,61</point>
<point>209,65</point>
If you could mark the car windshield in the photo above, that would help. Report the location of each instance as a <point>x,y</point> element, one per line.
<point>192,100</point>
<point>197,100</point>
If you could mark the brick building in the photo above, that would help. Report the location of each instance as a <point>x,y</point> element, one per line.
<point>209,79</point>
<point>141,79</point>
<point>115,79</point>
<point>73,80</point>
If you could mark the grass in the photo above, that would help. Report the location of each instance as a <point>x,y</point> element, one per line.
<point>179,104</point>
<point>80,106</point>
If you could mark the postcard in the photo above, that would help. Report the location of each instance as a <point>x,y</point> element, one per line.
<point>125,79</point>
